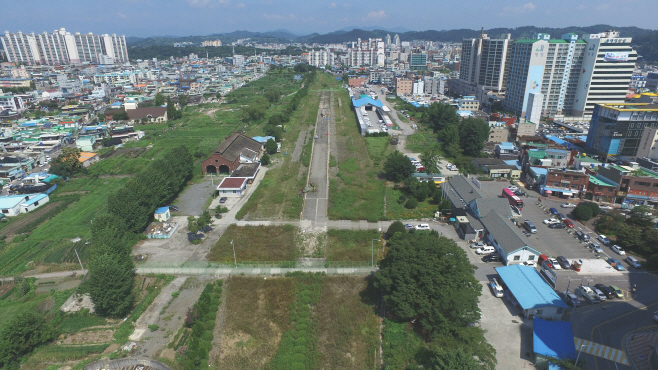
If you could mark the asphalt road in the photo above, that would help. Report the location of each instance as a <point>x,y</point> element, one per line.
<point>316,202</point>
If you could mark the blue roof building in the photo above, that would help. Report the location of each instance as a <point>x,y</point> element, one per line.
<point>551,339</point>
<point>364,100</point>
<point>527,289</point>
<point>162,214</point>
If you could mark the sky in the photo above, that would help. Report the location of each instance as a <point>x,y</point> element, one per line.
<point>145,18</point>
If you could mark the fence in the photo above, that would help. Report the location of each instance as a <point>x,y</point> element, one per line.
<point>124,363</point>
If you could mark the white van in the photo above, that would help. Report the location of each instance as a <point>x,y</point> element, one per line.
<point>485,250</point>
<point>496,289</point>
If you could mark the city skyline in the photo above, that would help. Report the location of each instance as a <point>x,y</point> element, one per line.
<point>147,18</point>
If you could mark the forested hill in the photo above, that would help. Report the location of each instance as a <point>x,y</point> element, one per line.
<point>647,46</point>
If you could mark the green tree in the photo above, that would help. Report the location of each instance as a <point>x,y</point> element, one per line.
<point>21,335</point>
<point>159,99</point>
<point>110,283</point>
<point>396,227</point>
<point>641,216</point>
<point>270,146</point>
<point>454,359</point>
<point>171,110</point>
<point>439,116</point>
<point>429,158</point>
<point>429,279</point>
<point>630,237</point>
<point>204,220</point>
<point>398,167</point>
<point>610,223</point>
<point>450,140</point>
<point>182,100</point>
<point>273,95</point>
<point>109,235</point>
<point>67,164</point>
<point>219,95</point>
<point>412,203</point>
<point>473,134</point>
<point>596,210</point>
<point>192,225</point>
<point>582,212</point>
<point>265,159</point>
<point>120,116</point>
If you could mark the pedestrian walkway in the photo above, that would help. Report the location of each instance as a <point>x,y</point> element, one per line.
<point>600,350</point>
<point>639,347</point>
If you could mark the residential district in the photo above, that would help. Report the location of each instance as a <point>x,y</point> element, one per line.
<point>533,161</point>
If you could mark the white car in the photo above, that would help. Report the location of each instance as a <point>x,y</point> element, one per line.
<point>568,205</point>
<point>604,239</point>
<point>599,293</point>
<point>530,263</point>
<point>477,245</point>
<point>555,263</point>
<point>549,221</point>
<point>423,227</point>
<point>606,207</point>
<point>513,188</point>
<point>619,250</point>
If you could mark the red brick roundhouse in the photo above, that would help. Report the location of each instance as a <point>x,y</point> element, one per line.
<point>236,149</point>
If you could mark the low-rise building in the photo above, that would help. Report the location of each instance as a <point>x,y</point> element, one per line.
<point>13,205</point>
<point>236,149</point>
<point>600,189</point>
<point>637,185</point>
<point>232,187</point>
<point>565,183</point>
<point>498,132</point>
<point>403,86</point>
<point>508,239</point>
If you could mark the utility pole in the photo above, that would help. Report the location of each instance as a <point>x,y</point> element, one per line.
<point>234,259</point>
<point>77,255</point>
<point>372,247</point>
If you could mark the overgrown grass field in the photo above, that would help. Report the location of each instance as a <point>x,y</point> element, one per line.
<point>352,245</point>
<point>255,243</point>
<point>395,209</point>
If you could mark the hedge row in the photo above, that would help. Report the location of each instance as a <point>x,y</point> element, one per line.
<point>201,318</point>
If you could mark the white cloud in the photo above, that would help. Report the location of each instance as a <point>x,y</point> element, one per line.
<point>332,6</point>
<point>581,7</point>
<point>240,6</point>
<point>207,3</point>
<point>376,15</point>
<point>517,10</point>
<point>280,17</point>
<point>122,16</point>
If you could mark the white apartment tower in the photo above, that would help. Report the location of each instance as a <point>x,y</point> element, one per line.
<point>484,62</point>
<point>606,72</point>
<point>367,53</point>
<point>320,58</point>
<point>396,40</point>
<point>388,41</point>
<point>547,66</point>
<point>61,47</point>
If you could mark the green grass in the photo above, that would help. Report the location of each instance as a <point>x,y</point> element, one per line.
<point>74,323</point>
<point>255,243</point>
<point>396,211</point>
<point>421,140</point>
<point>351,245</point>
<point>400,345</point>
<point>378,148</point>
<point>355,193</point>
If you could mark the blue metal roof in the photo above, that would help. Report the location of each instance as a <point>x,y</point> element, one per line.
<point>33,200</point>
<point>528,287</point>
<point>161,210</point>
<point>367,100</point>
<point>506,145</point>
<point>10,201</point>
<point>552,338</point>
<point>513,162</point>
<point>556,139</point>
<point>539,170</point>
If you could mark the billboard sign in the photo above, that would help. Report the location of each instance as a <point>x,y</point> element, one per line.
<point>615,57</point>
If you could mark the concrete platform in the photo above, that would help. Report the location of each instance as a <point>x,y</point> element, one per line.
<point>598,267</point>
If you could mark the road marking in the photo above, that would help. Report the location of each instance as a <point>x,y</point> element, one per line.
<point>600,350</point>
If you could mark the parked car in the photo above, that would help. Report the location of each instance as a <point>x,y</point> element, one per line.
<point>607,208</point>
<point>493,257</point>
<point>496,289</point>
<point>602,296</point>
<point>530,263</point>
<point>530,227</point>
<point>485,250</point>
<point>223,199</point>
<point>568,223</point>
<point>423,227</point>
<point>557,226</point>
<point>549,221</point>
<point>609,293</point>
<point>582,236</point>
<point>520,193</point>
<point>173,208</point>
<point>563,262</point>
<point>604,239</point>
<point>619,250</point>
<point>633,262</point>
<point>595,247</point>
<point>477,245</point>
<point>568,205</point>
<point>555,264</point>
<point>553,210</point>
<point>513,188</point>
<point>571,299</point>
<point>655,316</point>
<point>588,293</point>
<point>408,226</point>
<point>618,292</point>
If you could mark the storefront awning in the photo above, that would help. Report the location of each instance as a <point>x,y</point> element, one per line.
<point>557,190</point>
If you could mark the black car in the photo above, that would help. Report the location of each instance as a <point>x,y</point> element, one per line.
<point>493,257</point>
<point>223,199</point>
<point>609,293</point>
<point>520,193</point>
<point>557,226</point>
<point>563,262</point>
<point>173,208</point>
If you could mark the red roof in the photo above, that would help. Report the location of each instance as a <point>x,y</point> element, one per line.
<point>232,183</point>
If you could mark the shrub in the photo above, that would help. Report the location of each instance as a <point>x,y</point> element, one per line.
<point>582,212</point>
<point>596,210</point>
<point>402,198</point>
<point>265,159</point>
<point>395,227</point>
<point>411,204</point>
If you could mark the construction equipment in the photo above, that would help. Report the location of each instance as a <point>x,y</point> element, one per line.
<point>310,187</point>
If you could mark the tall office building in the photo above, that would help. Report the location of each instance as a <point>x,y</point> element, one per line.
<point>483,64</point>
<point>418,60</point>
<point>606,73</point>
<point>547,66</point>
<point>61,47</point>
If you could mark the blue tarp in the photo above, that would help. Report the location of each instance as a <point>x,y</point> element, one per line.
<point>367,100</point>
<point>28,124</point>
<point>528,287</point>
<point>552,338</point>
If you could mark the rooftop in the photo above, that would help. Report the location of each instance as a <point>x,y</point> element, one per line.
<point>552,338</point>
<point>161,210</point>
<point>528,287</point>
<point>599,182</point>
<point>34,199</point>
<point>232,183</point>
<point>629,107</point>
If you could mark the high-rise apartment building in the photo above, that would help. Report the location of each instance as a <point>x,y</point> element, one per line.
<point>61,47</point>
<point>606,72</point>
<point>547,66</point>
<point>320,58</point>
<point>366,53</point>
<point>396,40</point>
<point>215,43</point>
<point>388,41</point>
<point>483,64</point>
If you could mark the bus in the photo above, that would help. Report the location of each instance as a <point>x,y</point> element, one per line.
<point>513,199</point>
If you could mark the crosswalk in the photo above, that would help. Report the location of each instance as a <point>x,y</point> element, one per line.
<point>599,350</point>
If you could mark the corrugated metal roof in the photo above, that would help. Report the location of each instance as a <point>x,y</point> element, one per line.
<point>552,338</point>
<point>528,287</point>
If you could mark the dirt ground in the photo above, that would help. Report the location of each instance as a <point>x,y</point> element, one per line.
<point>90,337</point>
<point>154,343</point>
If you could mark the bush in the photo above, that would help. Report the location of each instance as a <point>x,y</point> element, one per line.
<point>395,227</point>
<point>411,204</point>
<point>265,159</point>
<point>402,198</point>
<point>596,210</point>
<point>582,212</point>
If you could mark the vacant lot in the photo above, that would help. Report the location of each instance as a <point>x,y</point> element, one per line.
<point>257,314</point>
<point>348,329</point>
<point>421,140</point>
<point>255,243</point>
<point>355,193</point>
<point>352,245</point>
<point>395,209</point>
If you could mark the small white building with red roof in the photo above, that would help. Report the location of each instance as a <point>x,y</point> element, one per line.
<point>232,186</point>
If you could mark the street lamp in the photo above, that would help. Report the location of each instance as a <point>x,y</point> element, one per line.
<point>234,259</point>
<point>372,247</point>
<point>581,348</point>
